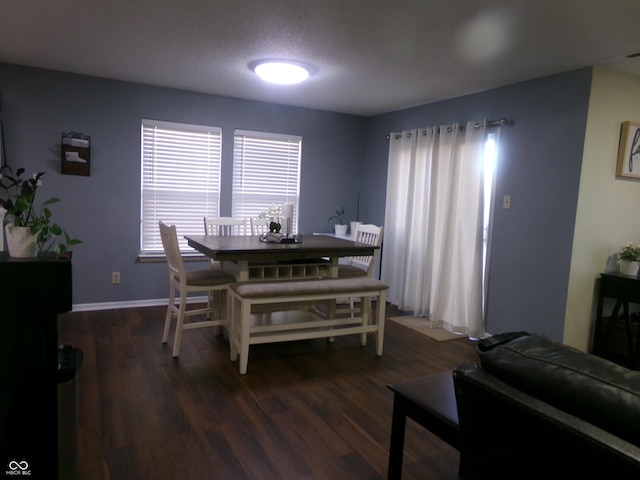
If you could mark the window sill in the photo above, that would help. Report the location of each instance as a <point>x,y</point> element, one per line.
<point>161,258</point>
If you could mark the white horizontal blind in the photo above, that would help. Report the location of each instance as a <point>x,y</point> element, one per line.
<point>266,171</point>
<point>180,179</point>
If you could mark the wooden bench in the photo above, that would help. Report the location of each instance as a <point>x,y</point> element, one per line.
<point>243,296</point>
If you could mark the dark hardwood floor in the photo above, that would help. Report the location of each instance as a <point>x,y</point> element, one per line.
<point>305,410</point>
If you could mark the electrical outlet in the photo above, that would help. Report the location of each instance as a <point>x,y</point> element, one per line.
<point>506,202</point>
<point>115,278</point>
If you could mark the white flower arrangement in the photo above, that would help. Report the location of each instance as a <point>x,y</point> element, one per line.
<point>273,211</point>
<point>274,214</point>
<point>629,252</point>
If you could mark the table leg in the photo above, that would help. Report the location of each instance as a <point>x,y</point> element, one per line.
<point>627,326</point>
<point>243,270</point>
<point>598,334</point>
<point>396,446</point>
<point>636,359</point>
<point>334,267</point>
<point>606,337</point>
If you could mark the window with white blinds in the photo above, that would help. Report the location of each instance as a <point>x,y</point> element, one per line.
<point>266,171</point>
<point>180,180</point>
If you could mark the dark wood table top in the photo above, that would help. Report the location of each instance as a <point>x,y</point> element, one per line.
<point>250,248</point>
<point>434,394</point>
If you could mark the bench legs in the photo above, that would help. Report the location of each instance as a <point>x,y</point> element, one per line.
<point>381,307</point>
<point>240,327</point>
<point>231,308</point>
<point>366,314</point>
<point>245,320</point>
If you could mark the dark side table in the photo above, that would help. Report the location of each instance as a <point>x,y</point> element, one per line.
<point>624,290</point>
<point>33,291</point>
<point>431,402</point>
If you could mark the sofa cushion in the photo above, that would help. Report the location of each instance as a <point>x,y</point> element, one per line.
<point>589,387</point>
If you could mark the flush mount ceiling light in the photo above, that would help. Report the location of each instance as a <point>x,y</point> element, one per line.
<point>281,72</point>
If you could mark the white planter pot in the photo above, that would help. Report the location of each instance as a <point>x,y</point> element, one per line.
<point>341,229</point>
<point>629,268</point>
<point>21,243</point>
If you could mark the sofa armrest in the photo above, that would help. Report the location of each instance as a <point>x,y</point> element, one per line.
<point>506,433</point>
<point>589,387</point>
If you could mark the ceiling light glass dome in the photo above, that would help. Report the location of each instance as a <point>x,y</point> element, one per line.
<point>283,73</point>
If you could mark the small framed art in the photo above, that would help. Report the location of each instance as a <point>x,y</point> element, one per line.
<point>629,151</point>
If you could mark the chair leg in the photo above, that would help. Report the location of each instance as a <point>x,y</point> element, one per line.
<point>213,307</point>
<point>169,315</point>
<point>365,314</point>
<point>179,323</point>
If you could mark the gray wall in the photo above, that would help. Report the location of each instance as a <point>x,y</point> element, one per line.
<point>539,166</point>
<point>343,156</point>
<point>103,209</point>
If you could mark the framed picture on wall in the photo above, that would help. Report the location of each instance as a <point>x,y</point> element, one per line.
<point>629,151</point>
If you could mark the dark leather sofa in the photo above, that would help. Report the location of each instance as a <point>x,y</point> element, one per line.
<point>534,408</point>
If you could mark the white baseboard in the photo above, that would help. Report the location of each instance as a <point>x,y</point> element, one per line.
<point>88,307</point>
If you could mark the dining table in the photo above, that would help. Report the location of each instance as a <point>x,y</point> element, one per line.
<point>247,257</point>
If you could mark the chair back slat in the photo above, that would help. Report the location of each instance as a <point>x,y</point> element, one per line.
<point>169,237</point>
<point>259,226</point>
<point>367,234</point>
<point>225,226</point>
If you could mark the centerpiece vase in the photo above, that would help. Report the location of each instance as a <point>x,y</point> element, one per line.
<point>21,243</point>
<point>629,268</point>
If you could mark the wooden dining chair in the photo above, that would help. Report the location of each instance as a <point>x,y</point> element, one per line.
<point>361,266</point>
<point>225,226</point>
<point>209,280</point>
<point>259,226</point>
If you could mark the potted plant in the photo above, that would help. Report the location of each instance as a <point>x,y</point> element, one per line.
<point>29,229</point>
<point>629,257</point>
<point>340,227</point>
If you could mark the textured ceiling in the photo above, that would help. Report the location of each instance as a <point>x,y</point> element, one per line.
<point>368,56</point>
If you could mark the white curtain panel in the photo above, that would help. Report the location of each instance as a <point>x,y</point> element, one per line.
<point>433,251</point>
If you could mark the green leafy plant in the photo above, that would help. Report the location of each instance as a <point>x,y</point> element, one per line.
<point>339,216</point>
<point>275,227</point>
<point>629,252</point>
<point>22,212</point>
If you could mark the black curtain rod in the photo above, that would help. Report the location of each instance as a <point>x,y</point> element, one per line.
<point>490,124</point>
